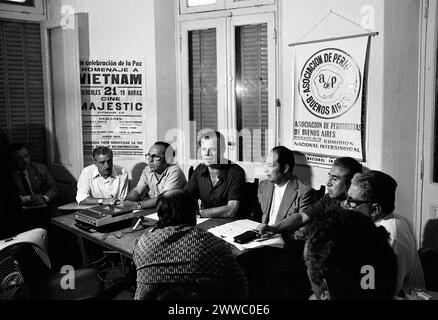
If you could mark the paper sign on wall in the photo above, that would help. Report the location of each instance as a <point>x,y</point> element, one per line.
<point>328,106</point>
<point>113,107</point>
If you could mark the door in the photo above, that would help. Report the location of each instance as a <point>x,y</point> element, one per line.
<point>429,184</point>
<point>60,42</point>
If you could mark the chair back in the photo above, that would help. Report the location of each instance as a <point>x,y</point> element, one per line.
<point>190,172</point>
<point>429,262</point>
<point>319,193</point>
<point>251,201</point>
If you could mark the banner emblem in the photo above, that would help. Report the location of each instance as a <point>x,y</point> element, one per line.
<point>330,83</point>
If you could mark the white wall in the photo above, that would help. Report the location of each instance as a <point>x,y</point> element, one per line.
<point>134,28</point>
<point>147,28</point>
<point>392,84</point>
<point>400,100</point>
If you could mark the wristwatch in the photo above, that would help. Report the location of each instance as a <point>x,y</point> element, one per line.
<point>139,205</point>
<point>100,201</point>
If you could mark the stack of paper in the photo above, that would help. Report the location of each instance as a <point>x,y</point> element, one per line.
<point>229,230</point>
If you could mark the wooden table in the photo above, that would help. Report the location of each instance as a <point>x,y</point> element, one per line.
<point>111,240</point>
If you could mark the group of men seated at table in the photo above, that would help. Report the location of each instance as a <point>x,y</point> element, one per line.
<point>352,227</point>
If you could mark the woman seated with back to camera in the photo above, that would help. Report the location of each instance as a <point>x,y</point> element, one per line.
<point>177,254</point>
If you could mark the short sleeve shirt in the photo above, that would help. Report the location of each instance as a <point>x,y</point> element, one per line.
<point>229,187</point>
<point>322,206</point>
<point>171,178</point>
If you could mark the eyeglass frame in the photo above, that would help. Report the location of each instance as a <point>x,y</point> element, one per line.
<point>357,203</point>
<point>153,157</point>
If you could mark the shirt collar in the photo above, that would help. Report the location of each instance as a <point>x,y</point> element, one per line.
<point>160,176</point>
<point>223,171</point>
<point>96,173</point>
<point>283,187</point>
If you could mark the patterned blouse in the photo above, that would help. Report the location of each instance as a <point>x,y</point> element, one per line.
<point>179,254</point>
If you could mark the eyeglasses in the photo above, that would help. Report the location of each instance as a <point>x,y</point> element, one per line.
<point>153,157</point>
<point>355,203</point>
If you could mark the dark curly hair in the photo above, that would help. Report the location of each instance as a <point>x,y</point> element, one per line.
<point>352,166</point>
<point>176,207</point>
<point>340,245</point>
<point>377,186</point>
<point>102,150</point>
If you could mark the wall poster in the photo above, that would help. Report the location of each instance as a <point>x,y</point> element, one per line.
<point>112,103</point>
<point>328,104</point>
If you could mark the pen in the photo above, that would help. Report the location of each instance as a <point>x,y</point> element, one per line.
<point>140,220</point>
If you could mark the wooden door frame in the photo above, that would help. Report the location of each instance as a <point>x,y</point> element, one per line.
<point>426,22</point>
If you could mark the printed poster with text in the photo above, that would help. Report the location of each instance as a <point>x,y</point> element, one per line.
<point>328,99</point>
<point>112,103</point>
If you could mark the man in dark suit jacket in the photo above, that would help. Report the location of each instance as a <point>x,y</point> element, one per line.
<point>34,182</point>
<point>280,274</point>
<point>36,187</point>
<point>282,194</point>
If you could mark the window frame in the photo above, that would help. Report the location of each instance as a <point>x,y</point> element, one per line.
<point>184,8</point>
<point>232,4</point>
<point>199,21</point>
<point>222,5</point>
<point>20,12</point>
<point>269,19</point>
<point>187,26</point>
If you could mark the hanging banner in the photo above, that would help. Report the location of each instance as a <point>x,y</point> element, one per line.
<point>112,103</point>
<point>328,99</point>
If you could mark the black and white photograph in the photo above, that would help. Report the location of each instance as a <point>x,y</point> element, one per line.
<point>219,157</point>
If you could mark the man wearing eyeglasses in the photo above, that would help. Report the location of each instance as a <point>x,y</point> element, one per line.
<point>372,193</point>
<point>158,176</point>
<point>340,175</point>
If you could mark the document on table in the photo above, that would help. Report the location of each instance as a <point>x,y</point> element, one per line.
<point>229,230</point>
<point>154,216</point>
<point>75,207</point>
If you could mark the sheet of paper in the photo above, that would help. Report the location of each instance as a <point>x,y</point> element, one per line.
<point>74,206</point>
<point>229,230</point>
<point>154,216</point>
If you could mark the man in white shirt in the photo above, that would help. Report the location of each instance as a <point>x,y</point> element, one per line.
<point>158,176</point>
<point>102,182</point>
<point>373,193</point>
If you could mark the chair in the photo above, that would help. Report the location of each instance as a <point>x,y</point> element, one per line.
<point>429,262</point>
<point>25,272</point>
<point>319,193</point>
<point>251,200</point>
<point>190,172</point>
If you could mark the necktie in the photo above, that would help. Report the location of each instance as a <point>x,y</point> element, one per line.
<point>25,183</point>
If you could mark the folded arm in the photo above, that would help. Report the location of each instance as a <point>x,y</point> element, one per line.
<point>289,224</point>
<point>227,211</point>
